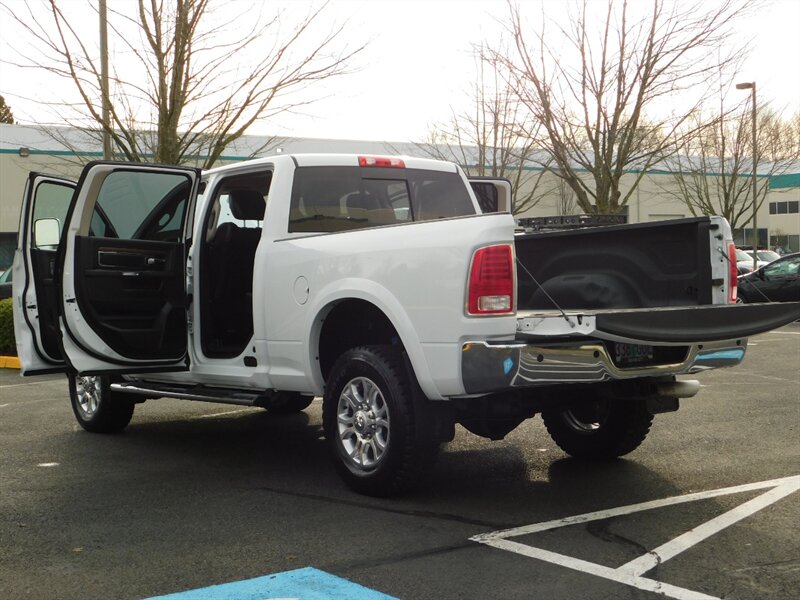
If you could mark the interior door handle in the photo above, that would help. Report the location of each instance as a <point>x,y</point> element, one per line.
<point>153,261</point>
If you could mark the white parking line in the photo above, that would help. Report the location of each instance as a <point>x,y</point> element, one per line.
<point>663,553</point>
<point>631,572</point>
<point>28,383</point>
<point>642,583</point>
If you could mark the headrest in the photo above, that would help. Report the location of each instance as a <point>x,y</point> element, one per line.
<point>246,204</point>
<point>359,200</point>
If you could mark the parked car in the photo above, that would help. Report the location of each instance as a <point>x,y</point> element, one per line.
<point>5,285</point>
<point>779,281</point>
<point>744,261</point>
<point>765,255</point>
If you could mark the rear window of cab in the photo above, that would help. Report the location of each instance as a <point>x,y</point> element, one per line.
<point>329,199</point>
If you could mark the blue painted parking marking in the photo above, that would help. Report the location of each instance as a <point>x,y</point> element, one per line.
<point>301,584</point>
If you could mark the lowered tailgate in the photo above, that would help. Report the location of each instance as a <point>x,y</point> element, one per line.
<point>593,346</point>
<point>666,325</point>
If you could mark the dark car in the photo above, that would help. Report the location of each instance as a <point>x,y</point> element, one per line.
<point>779,281</point>
<point>5,284</point>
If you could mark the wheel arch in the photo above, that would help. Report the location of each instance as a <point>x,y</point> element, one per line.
<point>381,321</point>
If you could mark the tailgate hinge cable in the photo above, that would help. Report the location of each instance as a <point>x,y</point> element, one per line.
<point>549,297</point>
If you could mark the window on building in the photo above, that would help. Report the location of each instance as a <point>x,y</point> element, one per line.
<point>791,207</point>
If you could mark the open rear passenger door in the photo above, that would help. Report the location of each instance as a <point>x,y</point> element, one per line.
<point>123,268</point>
<point>45,204</point>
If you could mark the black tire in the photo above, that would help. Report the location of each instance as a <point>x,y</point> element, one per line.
<point>600,430</point>
<point>96,407</point>
<point>369,421</point>
<point>288,403</point>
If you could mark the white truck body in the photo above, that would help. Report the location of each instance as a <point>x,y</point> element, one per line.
<point>134,309</point>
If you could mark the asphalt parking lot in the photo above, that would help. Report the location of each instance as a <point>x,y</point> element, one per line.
<point>192,495</point>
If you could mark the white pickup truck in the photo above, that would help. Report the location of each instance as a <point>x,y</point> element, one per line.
<point>379,284</point>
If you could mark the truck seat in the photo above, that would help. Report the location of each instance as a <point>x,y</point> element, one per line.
<point>232,254</point>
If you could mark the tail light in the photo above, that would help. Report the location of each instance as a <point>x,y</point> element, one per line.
<point>733,274</point>
<point>381,161</point>
<point>491,281</point>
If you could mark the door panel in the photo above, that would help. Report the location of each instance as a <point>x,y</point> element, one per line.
<point>43,264</point>
<point>45,205</point>
<point>124,295</point>
<point>150,323</point>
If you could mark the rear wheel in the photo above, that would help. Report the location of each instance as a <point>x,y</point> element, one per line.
<point>96,407</point>
<point>369,421</point>
<point>601,429</point>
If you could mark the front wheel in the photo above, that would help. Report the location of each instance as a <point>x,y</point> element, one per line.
<point>369,422</point>
<point>96,407</point>
<point>601,429</point>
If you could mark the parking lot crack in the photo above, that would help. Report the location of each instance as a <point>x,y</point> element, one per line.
<point>361,565</point>
<point>425,514</point>
<point>600,530</point>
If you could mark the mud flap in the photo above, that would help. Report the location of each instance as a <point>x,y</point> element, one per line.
<point>434,421</point>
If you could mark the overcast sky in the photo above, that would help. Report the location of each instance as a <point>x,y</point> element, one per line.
<point>418,64</point>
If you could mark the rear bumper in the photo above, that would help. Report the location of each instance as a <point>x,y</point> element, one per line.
<point>577,347</point>
<point>490,367</point>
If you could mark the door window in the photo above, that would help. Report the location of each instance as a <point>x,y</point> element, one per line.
<point>51,206</point>
<point>133,207</point>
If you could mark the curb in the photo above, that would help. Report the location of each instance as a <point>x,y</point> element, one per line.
<point>9,362</point>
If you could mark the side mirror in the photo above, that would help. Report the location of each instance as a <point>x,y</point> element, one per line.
<point>46,232</point>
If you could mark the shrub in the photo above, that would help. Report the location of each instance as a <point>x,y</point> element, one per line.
<point>8,346</point>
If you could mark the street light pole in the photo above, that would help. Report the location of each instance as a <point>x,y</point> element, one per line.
<point>104,79</point>
<point>752,86</point>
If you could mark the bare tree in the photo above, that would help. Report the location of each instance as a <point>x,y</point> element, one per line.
<point>613,101</point>
<point>496,137</point>
<point>712,172</point>
<point>194,77</point>
<point>6,116</point>
<point>565,198</point>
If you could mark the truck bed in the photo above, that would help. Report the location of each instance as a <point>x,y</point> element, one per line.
<point>643,265</point>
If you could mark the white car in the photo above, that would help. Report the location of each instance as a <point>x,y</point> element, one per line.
<point>765,256</point>
<point>744,261</point>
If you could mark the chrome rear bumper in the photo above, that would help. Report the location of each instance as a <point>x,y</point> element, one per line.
<point>492,367</point>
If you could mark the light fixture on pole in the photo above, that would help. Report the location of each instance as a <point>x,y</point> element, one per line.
<point>751,85</point>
